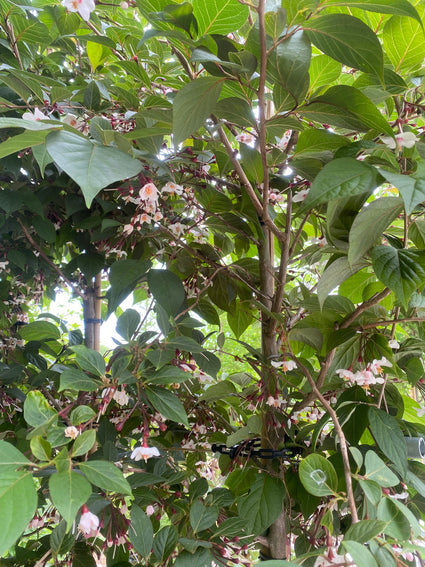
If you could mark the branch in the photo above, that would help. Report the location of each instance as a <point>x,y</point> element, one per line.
<point>342,442</point>
<point>363,307</point>
<point>49,261</point>
<point>390,322</point>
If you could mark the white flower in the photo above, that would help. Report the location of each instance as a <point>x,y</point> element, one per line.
<point>404,139</point>
<point>393,344</point>
<point>420,412</point>
<point>300,196</point>
<point>172,188</point>
<point>3,264</point>
<point>71,432</point>
<point>149,193</point>
<point>37,115</point>
<point>376,366</point>
<point>150,510</point>
<point>121,397</point>
<point>177,228</point>
<point>284,364</point>
<point>275,402</point>
<point>83,7</point>
<point>89,523</point>
<point>144,452</point>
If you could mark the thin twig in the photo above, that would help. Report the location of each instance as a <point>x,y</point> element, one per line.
<point>49,261</point>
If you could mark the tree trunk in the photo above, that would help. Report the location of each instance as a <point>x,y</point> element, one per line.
<point>92,304</point>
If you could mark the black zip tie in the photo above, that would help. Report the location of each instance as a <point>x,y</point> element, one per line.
<point>252,448</point>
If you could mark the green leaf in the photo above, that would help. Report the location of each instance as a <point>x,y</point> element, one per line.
<point>346,107</point>
<point>168,375</point>
<point>40,448</point>
<point>403,271</point>
<point>396,7</point>
<point>165,542</point>
<point>89,360</point>
<point>364,530</point>
<point>167,290</point>
<point>123,277</point>
<point>185,343</point>
<point>219,16</point>
<point>369,225</point>
<point>76,380</point>
<point>69,491</point>
<point>199,558</point>
<point>193,104</point>
<point>288,66</point>
<point>336,274</point>
<point>39,331</point>
<point>341,177</point>
<point>372,490</point>
<point>10,457</point>
<point>208,362</point>
<point>83,443</point>
<point>348,40</point>
<point>140,531</point>
<point>37,409</point>
<point>313,141</point>
<point>81,414</point>
<point>22,141</point>
<point>412,190</point>
<point>240,318</point>
<point>92,166</point>
<point>389,437</point>
<point>29,124</point>
<point>404,43</point>
<point>263,505</point>
<point>127,323</point>
<point>167,403</point>
<point>378,471</point>
<point>202,517</point>
<point>105,475</point>
<point>360,554</point>
<point>318,475</point>
<point>18,500</point>
<point>61,541</point>
<point>323,71</point>
<point>398,526</point>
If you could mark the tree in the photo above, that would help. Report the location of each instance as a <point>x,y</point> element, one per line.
<point>253,174</point>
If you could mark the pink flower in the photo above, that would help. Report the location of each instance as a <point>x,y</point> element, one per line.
<point>403,139</point>
<point>150,510</point>
<point>89,523</point>
<point>144,452</point>
<point>83,7</point>
<point>149,193</point>
<point>245,138</point>
<point>177,228</point>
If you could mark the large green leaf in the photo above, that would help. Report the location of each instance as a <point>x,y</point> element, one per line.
<point>288,66</point>
<point>219,16</point>
<point>341,177</point>
<point>167,290</point>
<point>140,531</point>
<point>92,166</point>
<point>201,516</point>
<point>396,7</point>
<point>10,457</point>
<point>263,505</point>
<point>323,71</point>
<point>29,124</point>
<point>105,475</point>
<point>40,331</point>
<point>348,40</point>
<point>397,525</point>
<point>22,141</point>
<point>89,360</point>
<point>336,274</point>
<point>165,542</point>
<point>389,437</point>
<point>378,471</point>
<point>346,107</point>
<point>76,380</point>
<point>411,188</point>
<point>404,43</point>
<point>364,530</point>
<point>18,502</point>
<point>69,491</point>
<point>318,475</point>
<point>360,554</point>
<point>369,225</point>
<point>193,104</point>
<point>167,403</point>
<point>403,271</point>
<point>37,409</point>
<point>123,277</point>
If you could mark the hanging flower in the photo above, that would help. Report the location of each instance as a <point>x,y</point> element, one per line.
<point>149,193</point>
<point>35,116</point>
<point>178,229</point>
<point>393,344</point>
<point>284,364</point>
<point>144,452</point>
<point>83,7</point>
<point>172,188</point>
<point>121,397</point>
<point>403,139</point>
<point>300,196</point>
<point>245,138</point>
<point>89,523</point>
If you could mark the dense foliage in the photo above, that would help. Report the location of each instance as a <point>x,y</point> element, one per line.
<point>252,175</point>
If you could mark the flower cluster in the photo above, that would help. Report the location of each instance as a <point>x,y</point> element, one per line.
<point>367,377</point>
